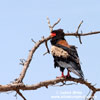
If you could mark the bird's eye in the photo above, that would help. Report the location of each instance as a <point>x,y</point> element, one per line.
<point>53,34</point>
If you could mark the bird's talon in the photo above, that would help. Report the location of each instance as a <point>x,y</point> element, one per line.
<point>61,77</point>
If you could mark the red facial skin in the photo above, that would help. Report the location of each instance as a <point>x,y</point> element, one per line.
<point>53,34</point>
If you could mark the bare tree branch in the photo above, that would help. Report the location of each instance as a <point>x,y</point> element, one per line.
<point>21,86</point>
<point>82,34</point>
<point>18,85</point>
<point>32,51</point>
<point>26,64</point>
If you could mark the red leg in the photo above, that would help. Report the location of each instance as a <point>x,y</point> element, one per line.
<point>62,75</point>
<point>68,74</point>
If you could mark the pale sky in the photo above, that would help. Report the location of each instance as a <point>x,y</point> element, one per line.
<point>21,20</point>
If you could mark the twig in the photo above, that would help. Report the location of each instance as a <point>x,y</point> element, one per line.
<point>51,27</point>
<point>87,94</point>
<point>33,41</point>
<point>22,61</point>
<point>47,48</point>
<point>79,26</point>
<point>56,23</point>
<point>20,94</point>
<point>82,34</point>
<point>16,95</point>
<point>78,30</point>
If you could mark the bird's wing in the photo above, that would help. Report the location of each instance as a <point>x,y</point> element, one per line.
<point>67,58</point>
<point>71,52</point>
<point>70,58</point>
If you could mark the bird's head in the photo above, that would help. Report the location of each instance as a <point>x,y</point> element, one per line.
<point>57,35</point>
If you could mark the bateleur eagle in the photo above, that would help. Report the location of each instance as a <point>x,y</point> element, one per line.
<point>65,55</point>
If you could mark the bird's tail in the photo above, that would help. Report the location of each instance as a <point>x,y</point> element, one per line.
<point>78,73</point>
<point>76,69</point>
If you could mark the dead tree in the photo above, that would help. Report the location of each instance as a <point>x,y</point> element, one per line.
<point>18,84</point>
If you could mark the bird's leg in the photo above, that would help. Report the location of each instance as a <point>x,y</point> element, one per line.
<point>68,74</point>
<point>62,75</point>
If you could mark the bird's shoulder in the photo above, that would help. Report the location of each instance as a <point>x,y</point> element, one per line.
<point>60,50</point>
<point>63,43</point>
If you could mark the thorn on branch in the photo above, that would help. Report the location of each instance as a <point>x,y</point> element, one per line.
<point>64,83</point>
<point>81,31</point>
<point>87,94</point>
<point>9,92</point>
<point>42,37</point>
<point>22,61</point>
<point>16,95</point>
<point>46,86</point>
<point>29,50</point>
<point>33,41</point>
<point>95,84</point>
<point>15,80</point>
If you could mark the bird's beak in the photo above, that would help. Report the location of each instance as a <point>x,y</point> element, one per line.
<point>53,34</point>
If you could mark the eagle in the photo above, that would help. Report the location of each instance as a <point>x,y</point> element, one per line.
<point>65,55</point>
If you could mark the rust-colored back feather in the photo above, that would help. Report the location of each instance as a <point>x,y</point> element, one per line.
<point>63,43</point>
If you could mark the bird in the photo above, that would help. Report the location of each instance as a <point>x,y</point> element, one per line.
<point>65,55</point>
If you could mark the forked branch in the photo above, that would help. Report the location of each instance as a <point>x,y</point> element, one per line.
<point>51,27</point>
<point>18,85</point>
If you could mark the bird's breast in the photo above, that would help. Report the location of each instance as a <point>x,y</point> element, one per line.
<point>59,52</point>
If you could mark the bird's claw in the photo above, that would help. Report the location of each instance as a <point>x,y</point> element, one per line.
<point>61,76</point>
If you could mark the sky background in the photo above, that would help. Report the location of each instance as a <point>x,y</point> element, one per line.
<point>21,20</point>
